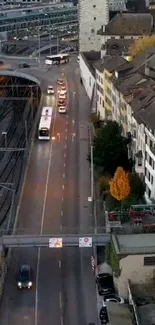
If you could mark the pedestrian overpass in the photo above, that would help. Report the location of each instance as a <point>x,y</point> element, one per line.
<point>54,241</point>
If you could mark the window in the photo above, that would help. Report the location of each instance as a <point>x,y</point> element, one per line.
<point>151,144</point>
<point>149,260</point>
<point>94,18</point>
<point>94,6</point>
<point>151,179</point>
<point>103,103</point>
<point>92,31</point>
<point>150,161</point>
<point>102,81</point>
<point>108,101</point>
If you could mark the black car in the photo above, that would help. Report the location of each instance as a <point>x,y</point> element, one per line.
<point>105,284</point>
<point>24,277</point>
<point>104,316</point>
<point>60,82</point>
<point>24,65</point>
<point>61,102</point>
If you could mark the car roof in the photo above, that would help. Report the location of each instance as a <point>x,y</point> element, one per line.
<point>62,107</point>
<point>25,267</point>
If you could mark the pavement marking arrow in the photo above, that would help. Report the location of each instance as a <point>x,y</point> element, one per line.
<point>73,122</point>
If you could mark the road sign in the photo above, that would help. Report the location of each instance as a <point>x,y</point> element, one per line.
<point>55,242</point>
<point>85,242</point>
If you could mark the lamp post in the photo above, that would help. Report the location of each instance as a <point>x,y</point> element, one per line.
<point>39,46</point>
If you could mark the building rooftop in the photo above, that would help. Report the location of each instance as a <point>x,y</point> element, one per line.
<point>129,24</point>
<point>119,314</point>
<point>134,244</point>
<point>91,58</point>
<point>117,46</point>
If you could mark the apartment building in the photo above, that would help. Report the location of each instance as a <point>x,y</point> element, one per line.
<point>126,93</point>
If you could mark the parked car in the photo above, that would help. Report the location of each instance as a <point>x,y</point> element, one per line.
<point>24,65</point>
<point>62,109</point>
<point>62,96</point>
<point>104,315</point>
<point>63,90</point>
<point>112,298</point>
<point>61,102</point>
<point>24,277</point>
<point>60,82</point>
<point>105,284</point>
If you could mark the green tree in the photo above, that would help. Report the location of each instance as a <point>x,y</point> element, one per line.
<point>95,119</point>
<point>110,149</point>
<point>137,186</point>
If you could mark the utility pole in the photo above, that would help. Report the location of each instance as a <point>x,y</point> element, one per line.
<point>39,46</point>
<point>57,44</point>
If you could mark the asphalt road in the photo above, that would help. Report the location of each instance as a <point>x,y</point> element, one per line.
<point>55,199</point>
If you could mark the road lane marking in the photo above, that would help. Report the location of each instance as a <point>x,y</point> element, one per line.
<point>62,213</point>
<point>65,146</point>
<point>60,228</point>
<point>63,175</point>
<point>66,130</point>
<point>59,264</point>
<point>60,300</point>
<point>63,187</point>
<point>61,320</point>
<point>64,155</point>
<point>62,199</point>
<point>66,122</point>
<point>64,164</point>
<point>65,138</point>
<point>42,221</point>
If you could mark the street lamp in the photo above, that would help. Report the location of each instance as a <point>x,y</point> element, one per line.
<point>5,138</point>
<point>91,198</point>
<point>39,45</point>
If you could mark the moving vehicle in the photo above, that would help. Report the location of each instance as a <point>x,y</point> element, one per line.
<point>105,284</point>
<point>62,109</point>
<point>62,96</point>
<point>24,65</point>
<point>112,298</point>
<point>50,90</point>
<point>61,102</point>
<point>45,123</point>
<point>24,277</point>
<point>57,59</point>
<point>60,82</point>
<point>63,90</point>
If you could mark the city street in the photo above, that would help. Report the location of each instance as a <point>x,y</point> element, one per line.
<point>55,200</point>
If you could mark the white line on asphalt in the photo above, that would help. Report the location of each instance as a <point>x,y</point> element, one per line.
<point>64,155</point>
<point>62,213</point>
<point>66,130</point>
<point>59,264</point>
<point>62,199</point>
<point>42,223</point>
<point>66,122</point>
<point>61,320</point>
<point>63,186</point>
<point>65,138</point>
<point>60,228</point>
<point>63,175</point>
<point>60,300</point>
<point>65,146</point>
<point>64,164</point>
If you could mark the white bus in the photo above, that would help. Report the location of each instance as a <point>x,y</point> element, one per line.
<point>45,123</point>
<point>57,59</point>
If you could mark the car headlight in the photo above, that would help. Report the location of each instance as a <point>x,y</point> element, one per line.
<point>19,284</point>
<point>30,284</point>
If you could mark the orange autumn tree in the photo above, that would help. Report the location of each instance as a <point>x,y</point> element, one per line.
<point>119,185</point>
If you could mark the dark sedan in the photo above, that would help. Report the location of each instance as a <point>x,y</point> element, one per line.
<point>24,277</point>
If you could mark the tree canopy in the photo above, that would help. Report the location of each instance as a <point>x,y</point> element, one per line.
<point>119,185</point>
<point>110,149</point>
<point>141,44</point>
<point>137,186</point>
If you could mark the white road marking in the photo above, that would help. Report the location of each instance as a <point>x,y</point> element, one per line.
<point>65,138</point>
<point>42,223</point>
<point>66,130</point>
<point>61,320</point>
<point>64,165</point>
<point>65,146</point>
<point>66,122</point>
<point>64,155</point>
<point>62,213</point>
<point>62,199</point>
<point>63,175</point>
<point>63,187</point>
<point>59,264</point>
<point>60,228</point>
<point>60,299</point>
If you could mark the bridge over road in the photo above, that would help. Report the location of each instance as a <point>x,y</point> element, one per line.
<point>70,240</point>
